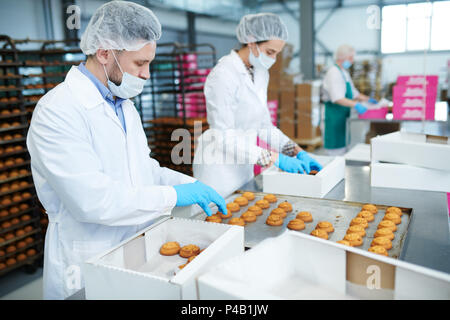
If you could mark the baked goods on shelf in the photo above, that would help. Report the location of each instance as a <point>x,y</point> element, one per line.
<point>256,210</point>
<point>366,215</point>
<point>274,220</point>
<point>249,195</point>
<point>359,221</point>
<point>326,226</point>
<point>344,242</point>
<point>387,224</point>
<point>169,248</point>
<point>395,210</point>
<point>249,216</point>
<point>384,232</point>
<point>224,216</point>
<point>370,207</point>
<point>305,216</point>
<point>237,221</point>
<point>241,201</point>
<point>354,239</point>
<point>319,233</point>
<point>378,250</point>
<point>233,207</point>
<point>279,212</point>
<point>296,224</point>
<point>358,229</point>
<point>263,204</point>
<point>270,197</point>
<point>286,206</point>
<point>392,217</point>
<point>382,241</point>
<point>214,218</point>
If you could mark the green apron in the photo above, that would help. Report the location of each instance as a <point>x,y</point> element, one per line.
<point>335,120</point>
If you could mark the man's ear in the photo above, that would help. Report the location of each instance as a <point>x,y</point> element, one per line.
<point>102,56</point>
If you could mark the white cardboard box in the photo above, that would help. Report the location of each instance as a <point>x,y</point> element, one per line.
<point>415,149</point>
<point>403,176</point>
<point>298,266</point>
<point>279,182</point>
<point>135,269</point>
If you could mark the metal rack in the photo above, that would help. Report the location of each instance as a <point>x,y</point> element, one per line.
<point>174,98</point>
<point>25,76</point>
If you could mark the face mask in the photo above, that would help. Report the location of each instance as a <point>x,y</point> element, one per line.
<point>130,86</point>
<point>262,61</point>
<point>346,64</point>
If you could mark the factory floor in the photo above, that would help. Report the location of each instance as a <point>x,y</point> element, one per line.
<point>19,285</point>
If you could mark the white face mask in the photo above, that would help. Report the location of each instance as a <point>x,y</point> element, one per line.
<point>262,61</point>
<point>130,86</point>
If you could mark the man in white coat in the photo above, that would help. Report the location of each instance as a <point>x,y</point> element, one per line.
<point>90,160</point>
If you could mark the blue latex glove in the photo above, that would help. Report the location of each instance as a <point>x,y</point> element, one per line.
<point>308,162</point>
<point>289,164</point>
<point>360,108</point>
<point>201,194</point>
<point>373,101</point>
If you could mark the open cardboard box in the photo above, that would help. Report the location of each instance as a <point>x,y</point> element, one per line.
<point>279,182</point>
<point>414,149</point>
<point>135,269</point>
<point>298,266</point>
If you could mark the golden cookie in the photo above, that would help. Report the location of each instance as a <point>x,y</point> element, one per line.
<point>224,216</point>
<point>326,226</point>
<point>264,204</point>
<point>249,216</point>
<point>296,224</point>
<point>169,248</point>
<point>366,215</point>
<point>354,239</point>
<point>358,229</point>
<point>286,206</point>
<point>359,221</point>
<point>319,233</point>
<point>237,222</point>
<point>241,201</point>
<point>344,242</point>
<point>214,218</point>
<point>256,210</point>
<point>189,251</point>
<point>387,224</point>
<point>395,210</point>
<point>233,207</point>
<point>249,195</point>
<point>305,216</point>
<point>392,217</point>
<point>279,212</point>
<point>384,232</point>
<point>270,197</point>
<point>382,241</point>
<point>379,250</point>
<point>274,220</point>
<point>370,207</point>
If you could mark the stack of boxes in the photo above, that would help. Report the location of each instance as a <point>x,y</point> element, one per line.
<point>415,97</point>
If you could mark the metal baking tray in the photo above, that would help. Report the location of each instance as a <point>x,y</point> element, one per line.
<point>338,212</point>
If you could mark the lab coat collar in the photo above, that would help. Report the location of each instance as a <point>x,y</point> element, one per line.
<point>238,63</point>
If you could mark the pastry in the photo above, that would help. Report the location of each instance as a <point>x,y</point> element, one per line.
<point>189,251</point>
<point>358,229</point>
<point>296,224</point>
<point>319,233</point>
<point>14,210</point>
<point>286,206</point>
<point>29,240</point>
<point>11,261</point>
<point>2,266</point>
<point>344,242</point>
<point>28,228</point>
<point>237,222</point>
<point>382,241</point>
<point>354,239</point>
<point>270,197</point>
<point>360,221</point>
<point>167,249</point>
<point>14,221</point>
<point>395,210</point>
<point>387,224</point>
<point>305,216</point>
<point>264,204</point>
<point>20,233</point>
<point>249,195</point>
<point>21,244</point>
<point>21,257</point>
<point>224,216</point>
<point>379,250</point>
<point>313,172</point>
<point>366,215</point>
<point>279,212</point>
<point>370,207</point>
<point>214,218</point>
<point>392,217</point>
<point>31,252</point>
<point>25,217</point>
<point>6,225</point>
<point>233,207</point>
<point>249,216</point>
<point>241,201</point>
<point>256,210</point>
<point>274,220</point>
<point>326,226</point>
<point>384,232</point>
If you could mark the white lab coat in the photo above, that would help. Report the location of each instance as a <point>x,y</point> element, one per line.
<point>237,112</point>
<point>97,184</point>
<point>334,84</point>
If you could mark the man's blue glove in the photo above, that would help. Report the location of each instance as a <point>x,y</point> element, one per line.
<point>308,162</point>
<point>289,164</point>
<point>360,108</point>
<point>373,101</point>
<point>201,194</point>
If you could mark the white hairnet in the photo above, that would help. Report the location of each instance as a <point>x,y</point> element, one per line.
<point>261,27</point>
<point>343,52</point>
<point>120,25</point>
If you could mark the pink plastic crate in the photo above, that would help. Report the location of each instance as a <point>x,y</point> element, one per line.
<point>417,80</point>
<point>375,114</point>
<point>401,91</point>
<point>273,107</point>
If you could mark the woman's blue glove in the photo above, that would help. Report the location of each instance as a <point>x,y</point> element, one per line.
<point>308,162</point>
<point>201,194</point>
<point>373,101</point>
<point>360,108</point>
<point>289,164</point>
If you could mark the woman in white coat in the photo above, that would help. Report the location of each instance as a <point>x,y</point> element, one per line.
<point>89,154</point>
<point>236,100</point>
